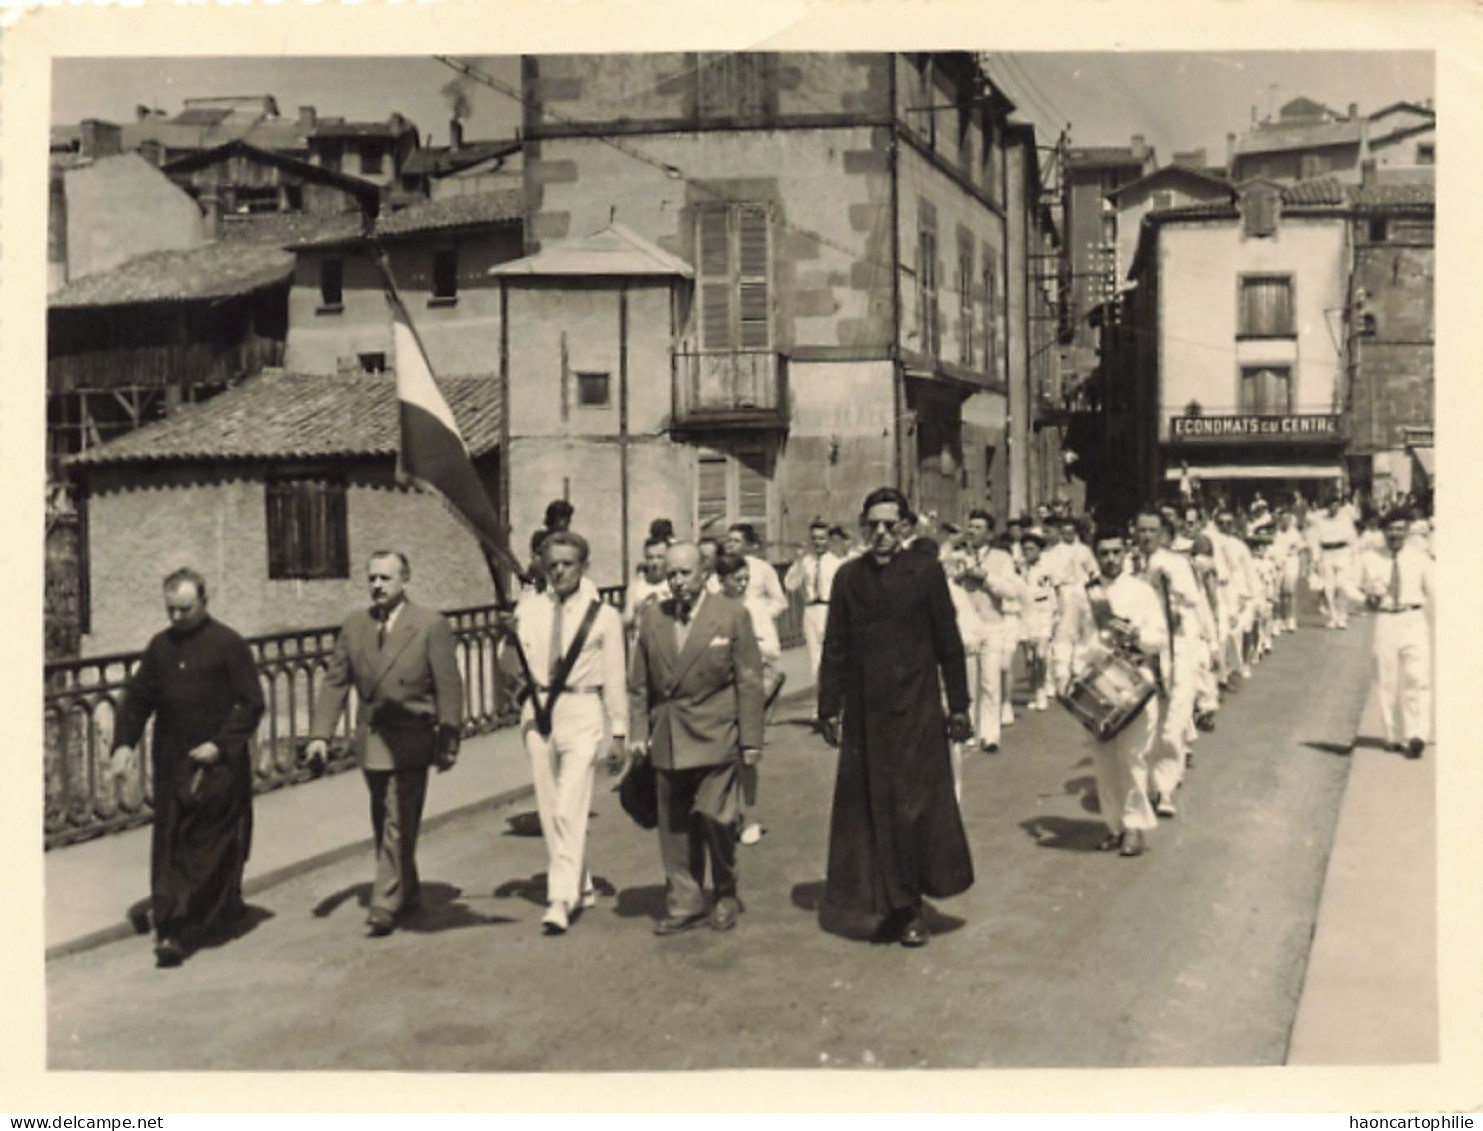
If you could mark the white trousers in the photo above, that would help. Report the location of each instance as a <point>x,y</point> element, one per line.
<point>1121,765</point>
<point>814,619</point>
<point>1166,769</point>
<point>1403,673</point>
<point>1333,572</point>
<point>985,668</point>
<point>562,768</point>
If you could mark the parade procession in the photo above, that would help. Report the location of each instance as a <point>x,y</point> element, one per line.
<point>800,562</point>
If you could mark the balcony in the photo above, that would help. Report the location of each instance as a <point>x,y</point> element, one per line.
<point>745,389</point>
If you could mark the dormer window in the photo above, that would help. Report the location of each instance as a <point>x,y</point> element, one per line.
<point>1259,212</point>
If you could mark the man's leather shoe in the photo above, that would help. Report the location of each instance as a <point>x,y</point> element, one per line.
<point>1415,747</point>
<point>168,952</point>
<point>1133,843</point>
<point>380,923</point>
<point>914,932</point>
<point>723,914</point>
<point>674,924</point>
<point>1110,842</point>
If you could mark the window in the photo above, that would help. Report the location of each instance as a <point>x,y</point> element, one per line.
<point>735,278</point>
<point>1266,390</point>
<point>1309,166</point>
<point>965,305</point>
<point>1378,230</point>
<point>991,323</point>
<point>1266,306</point>
<point>735,486</point>
<point>371,362</point>
<point>370,160</point>
<point>594,390</point>
<point>307,535</point>
<point>331,284</point>
<point>1426,153</point>
<point>330,156</point>
<point>927,314</point>
<point>445,275</point>
<point>733,85</point>
<point>1259,213</point>
<point>1163,199</point>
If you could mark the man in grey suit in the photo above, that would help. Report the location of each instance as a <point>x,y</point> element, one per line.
<point>695,709</point>
<point>399,657</point>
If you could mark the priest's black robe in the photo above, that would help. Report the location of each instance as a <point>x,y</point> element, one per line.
<point>201,686</point>
<point>895,832</point>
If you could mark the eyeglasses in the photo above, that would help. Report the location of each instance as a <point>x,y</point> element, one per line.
<point>880,523</point>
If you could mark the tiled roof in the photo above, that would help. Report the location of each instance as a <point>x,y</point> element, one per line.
<point>333,128</point>
<point>300,416</point>
<point>285,229</point>
<point>1320,190</point>
<point>1393,196</point>
<point>216,270</point>
<point>470,210</point>
<point>1169,172</point>
<point>614,251</point>
<point>1279,138</point>
<point>440,160</point>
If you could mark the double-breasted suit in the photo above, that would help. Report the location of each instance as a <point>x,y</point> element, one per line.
<point>409,688</point>
<point>695,694</point>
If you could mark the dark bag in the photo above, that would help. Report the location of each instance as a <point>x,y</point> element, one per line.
<point>639,793</point>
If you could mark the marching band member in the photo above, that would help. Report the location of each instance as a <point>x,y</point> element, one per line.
<point>986,574</point>
<point>1039,618</point>
<point>1072,564</point>
<point>1287,555</point>
<point>1335,537</point>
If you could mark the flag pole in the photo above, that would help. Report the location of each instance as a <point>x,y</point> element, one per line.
<point>496,556</point>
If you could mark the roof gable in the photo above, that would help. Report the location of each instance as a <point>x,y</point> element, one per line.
<point>613,251</point>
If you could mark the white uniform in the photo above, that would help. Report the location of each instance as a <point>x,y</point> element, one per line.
<point>1121,763</point>
<point>986,597</point>
<point>813,575</point>
<point>1335,538</point>
<point>1192,629</point>
<point>1072,564</point>
<point>1402,645</point>
<point>1287,555</point>
<point>562,764</point>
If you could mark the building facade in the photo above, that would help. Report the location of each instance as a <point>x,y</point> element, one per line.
<point>844,217</point>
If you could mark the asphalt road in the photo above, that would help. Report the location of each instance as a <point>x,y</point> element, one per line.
<point>1058,956</point>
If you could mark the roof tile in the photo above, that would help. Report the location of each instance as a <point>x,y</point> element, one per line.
<point>300,416</point>
<point>216,270</point>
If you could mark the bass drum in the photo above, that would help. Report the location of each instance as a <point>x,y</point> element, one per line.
<point>1108,695</point>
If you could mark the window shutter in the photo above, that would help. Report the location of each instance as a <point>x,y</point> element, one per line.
<point>277,530</point>
<point>715,280</point>
<point>752,278</point>
<point>710,501</point>
<point>751,487</point>
<point>1267,307</point>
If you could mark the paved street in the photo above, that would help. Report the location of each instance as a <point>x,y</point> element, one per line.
<point>1058,956</point>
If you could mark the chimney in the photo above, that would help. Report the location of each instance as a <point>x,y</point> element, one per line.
<point>455,134</point>
<point>142,113</point>
<point>1139,146</point>
<point>306,119</point>
<point>1353,111</point>
<point>101,139</point>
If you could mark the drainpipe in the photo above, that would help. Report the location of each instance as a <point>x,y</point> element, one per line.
<point>898,377</point>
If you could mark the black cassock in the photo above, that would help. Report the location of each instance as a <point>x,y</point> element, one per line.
<point>201,686</point>
<point>895,833</point>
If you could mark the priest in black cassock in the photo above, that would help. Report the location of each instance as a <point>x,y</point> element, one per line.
<point>198,680</point>
<point>895,834</point>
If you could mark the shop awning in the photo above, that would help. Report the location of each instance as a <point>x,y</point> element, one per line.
<point>1258,471</point>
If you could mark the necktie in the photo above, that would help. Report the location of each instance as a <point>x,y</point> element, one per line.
<point>556,650</point>
<point>381,632</point>
<point>1395,582</point>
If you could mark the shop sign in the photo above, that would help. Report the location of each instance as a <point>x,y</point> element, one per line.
<point>1291,429</point>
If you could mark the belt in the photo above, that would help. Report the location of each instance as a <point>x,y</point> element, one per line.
<point>818,602</point>
<point>1400,609</point>
<point>588,689</point>
<point>1333,545</point>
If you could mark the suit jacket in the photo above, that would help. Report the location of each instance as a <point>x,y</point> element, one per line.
<point>697,706</point>
<point>406,689</point>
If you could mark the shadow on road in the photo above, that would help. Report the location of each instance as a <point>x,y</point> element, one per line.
<point>1085,790</point>
<point>527,823</point>
<point>251,919</point>
<point>1342,749</point>
<point>641,902</point>
<point>327,906</point>
<point>861,927</point>
<point>1064,833</point>
<point>443,909</point>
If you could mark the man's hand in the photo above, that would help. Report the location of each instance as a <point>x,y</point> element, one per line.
<point>619,757</point>
<point>315,754</point>
<point>958,727</point>
<point>637,749</point>
<point>124,763</point>
<point>750,755</point>
<point>445,754</point>
<point>206,754</point>
<point>830,730</point>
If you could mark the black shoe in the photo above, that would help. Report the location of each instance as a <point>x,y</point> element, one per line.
<point>914,933</point>
<point>168,952</point>
<point>380,923</point>
<point>674,924</point>
<point>139,917</point>
<point>1133,844</point>
<point>1415,747</point>
<point>1110,843</point>
<point>723,915</point>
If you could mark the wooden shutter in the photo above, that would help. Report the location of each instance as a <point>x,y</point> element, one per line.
<point>753,299</point>
<point>710,494</point>
<point>1266,307</point>
<point>991,325</point>
<point>714,241</point>
<point>965,305</point>
<point>751,488</point>
<point>927,290</point>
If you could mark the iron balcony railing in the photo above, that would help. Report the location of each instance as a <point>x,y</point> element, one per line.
<point>82,697</point>
<point>737,389</point>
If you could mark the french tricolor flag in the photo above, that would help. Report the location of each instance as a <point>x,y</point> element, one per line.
<point>432,452</point>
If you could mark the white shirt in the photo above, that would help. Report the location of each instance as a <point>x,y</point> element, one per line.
<point>1336,531</point>
<point>1133,600</point>
<point>639,594</point>
<point>764,587</point>
<point>1416,583</point>
<point>999,585</point>
<point>1187,602</point>
<point>814,574</point>
<point>1040,600</point>
<point>601,663</point>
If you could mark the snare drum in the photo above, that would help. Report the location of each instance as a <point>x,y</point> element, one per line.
<point>1108,694</point>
